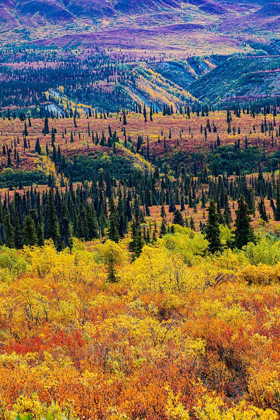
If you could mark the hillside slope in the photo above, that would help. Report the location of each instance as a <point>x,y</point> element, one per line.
<point>80,20</point>
<point>239,78</point>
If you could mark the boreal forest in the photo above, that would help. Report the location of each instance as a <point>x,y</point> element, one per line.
<point>139,210</point>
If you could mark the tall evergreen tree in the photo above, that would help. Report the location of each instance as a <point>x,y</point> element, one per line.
<point>92,223</point>
<point>52,224</point>
<point>162,212</point>
<point>137,242</point>
<point>178,218</point>
<point>65,232</point>
<point>244,231</point>
<point>40,234</point>
<point>9,161</point>
<point>46,129</point>
<point>9,231</point>
<point>163,229</point>
<point>38,147</point>
<point>121,216</point>
<point>124,118</point>
<point>192,224</point>
<point>18,232</point>
<point>145,113</point>
<point>262,210</point>
<point>212,229</point>
<point>29,232</point>
<point>25,132</point>
<point>113,223</point>
<point>277,210</point>
<point>111,269</point>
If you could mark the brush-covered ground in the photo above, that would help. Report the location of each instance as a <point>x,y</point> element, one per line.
<point>76,150</point>
<point>171,139</point>
<point>180,334</point>
<point>172,332</point>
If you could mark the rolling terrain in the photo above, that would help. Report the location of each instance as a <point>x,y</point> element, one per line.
<point>34,80</point>
<point>175,139</point>
<point>139,209</point>
<point>112,55</point>
<point>188,26</point>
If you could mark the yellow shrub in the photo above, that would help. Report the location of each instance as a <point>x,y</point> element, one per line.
<point>261,274</point>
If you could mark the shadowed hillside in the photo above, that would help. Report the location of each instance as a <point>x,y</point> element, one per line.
<point>27,20</point>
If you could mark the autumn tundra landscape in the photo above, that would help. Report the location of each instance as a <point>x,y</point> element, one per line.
<point>139,210</point>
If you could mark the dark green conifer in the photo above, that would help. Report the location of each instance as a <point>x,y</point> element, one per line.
<point>40,234</point>
<point>137,242</point>
<point>192,224</point>
<point>244,232</point>
<point>178,218</point>
<point>29,232</point>
<point>212,229</point>
<point>18,232</point>
<point>46,129</point>
<point>262,210</point>
<point>38,147</point>
<point>9,161</point>
<point>111,269</point>
<point>65,234</point>
<point>113,223</point>
<point>277,210</point>
<point>9,231</point>
<point>163,229</point>
<point>52,224</point>
<point>145,113</point>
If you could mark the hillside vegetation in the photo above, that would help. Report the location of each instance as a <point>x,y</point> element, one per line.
<point>139,210</point>
<point>167,339</point>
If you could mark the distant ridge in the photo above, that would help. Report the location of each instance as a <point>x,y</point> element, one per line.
<point>23,21</point>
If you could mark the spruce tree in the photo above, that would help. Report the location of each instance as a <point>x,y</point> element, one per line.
<point>92,223</point>
<point>137,242</point>
<point>111,269</point>
<point>65,232</point>
<point>162,212</point>
<point>203,199</point>
<point>192,224</point>
<point>9,161</point>
<point>178,218</point>
<point>113,223</point>
<point>262,211</point>
<point>163,229</point>
<point>52,224</point>
<point>9,231</point>
<point>38,147</point>
<point>121,216</point>
<point>172,206</point>
<point>212,229</point>
<point>277,210</point>
<point>244,231</point>
<point>227,212</point>
<point>145,113</point>
<point>46,129</point>
<point>151,113</point>
<point>29,232</point>
<point>25,132</point>
<point>124,118</point>
<point>18,233</point>
<point>40,234</point>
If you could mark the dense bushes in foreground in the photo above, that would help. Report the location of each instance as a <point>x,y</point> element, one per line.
<point>179,334</point>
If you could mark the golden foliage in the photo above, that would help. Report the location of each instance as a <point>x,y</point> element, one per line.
<point>180,334</point>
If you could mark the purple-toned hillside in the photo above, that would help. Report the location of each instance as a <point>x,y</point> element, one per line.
<point>223,24</point>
